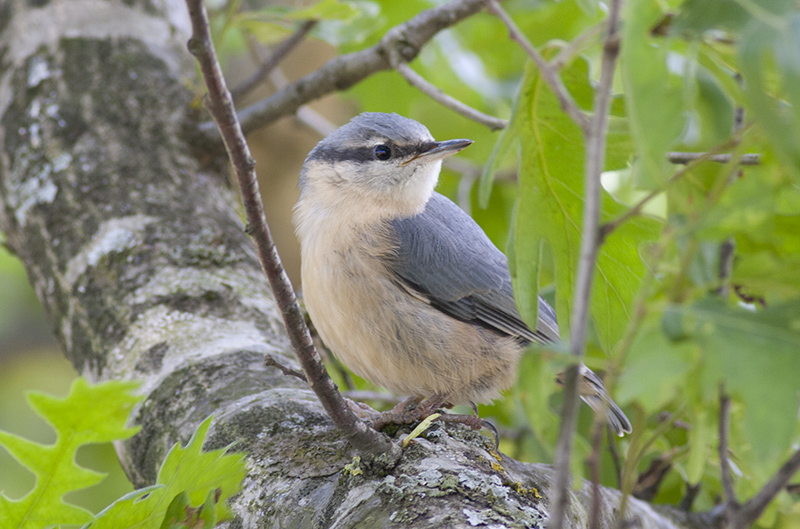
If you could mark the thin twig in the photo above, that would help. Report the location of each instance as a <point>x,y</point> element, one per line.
<point>688,499</point>
<point>687,157</point>
<point>574,47</point>
<point>419,82</point>
<point>280,53</point>
<point>610,226</point>
<point>271,361</point>
<point>594,471</point>
<point>648,482</point>
<point>612,449</point>
<point>595,135</point>
<point>727,251</point>
<point>220,105</point>
<point>752,510</point>
<point>724,465</point>
<point>549,74</point>
<point>305,114</point>
<point>344,71</point>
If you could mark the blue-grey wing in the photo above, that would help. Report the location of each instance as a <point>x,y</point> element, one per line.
<point>445,257</point>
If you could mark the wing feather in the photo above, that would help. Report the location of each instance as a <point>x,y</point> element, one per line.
<point>444,256</point>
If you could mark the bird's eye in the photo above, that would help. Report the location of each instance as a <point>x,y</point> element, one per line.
<point>383,152</point>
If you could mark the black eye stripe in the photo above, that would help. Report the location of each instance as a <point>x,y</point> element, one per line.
<point>367,154</point>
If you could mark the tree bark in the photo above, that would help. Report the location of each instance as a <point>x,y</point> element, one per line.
<point>130,236</point>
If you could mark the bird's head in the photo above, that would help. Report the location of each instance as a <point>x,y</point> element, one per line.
<point>383,160</point>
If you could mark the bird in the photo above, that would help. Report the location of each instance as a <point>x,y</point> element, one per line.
<point>402,285</point>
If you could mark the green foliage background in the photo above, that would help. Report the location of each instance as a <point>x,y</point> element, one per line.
<point>667,326</point>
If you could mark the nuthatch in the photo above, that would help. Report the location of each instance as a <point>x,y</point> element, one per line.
<point>402,285</point>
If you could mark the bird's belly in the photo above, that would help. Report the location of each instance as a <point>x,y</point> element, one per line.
<point>398,341</point>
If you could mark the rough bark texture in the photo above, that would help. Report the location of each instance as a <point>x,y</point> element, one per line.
<point>130,236</point>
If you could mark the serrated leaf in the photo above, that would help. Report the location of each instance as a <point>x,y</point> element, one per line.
<point>181,515</point>
<point>188,470</point>
<point>551,208</point>
<point>89,414</point>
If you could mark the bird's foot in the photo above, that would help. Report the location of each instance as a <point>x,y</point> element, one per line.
<point>414,409</point>
<point>409,411</point>
<point>362,411</point>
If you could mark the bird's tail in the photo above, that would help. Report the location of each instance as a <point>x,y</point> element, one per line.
<point>593,392</point>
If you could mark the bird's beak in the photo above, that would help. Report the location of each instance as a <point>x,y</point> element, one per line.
<point>441,150</point>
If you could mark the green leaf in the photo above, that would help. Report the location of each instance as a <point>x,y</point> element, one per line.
<point>89,414</point>
<point>697,16</point>
<point>326,10</point>
<point>653,94</point>
<point>189,471</point>
<point>551,210</point>
<point>181,515</point>
<point>756,355</point>
<point>656,367</point>
<point>505,141</point>
<point>700,441</point>
<point>264,31</point>
<point>770,62</point>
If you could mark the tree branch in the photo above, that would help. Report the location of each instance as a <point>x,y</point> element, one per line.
<point>220,106</point>
<point>345,71</point>
<point>549,74</point>
<point>595,135</point>
<point>688,157</point>
<point>278,54</point>
<point>419,82</point>
<point>752,510</point>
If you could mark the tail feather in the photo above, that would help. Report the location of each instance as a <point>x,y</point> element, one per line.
<point>593,392</point>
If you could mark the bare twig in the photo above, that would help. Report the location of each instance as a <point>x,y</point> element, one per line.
<point>305,114</point>
<point>688,499</point>
<point>594,471</point>
<point>344,71</point>
<point>549,73</point>
<point>727,250</point>
<point>610,226</point>
<point>688,157</point>
<point>612,449</point>
<point>220,106</point>
<point>271,361</point>
<point>649,481</point>
<point>419,82</point>
<point>724,464</point>
<point>595,134</point>
<point>752,510</point>
<point>280,52</point>
<point>574,47</point>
